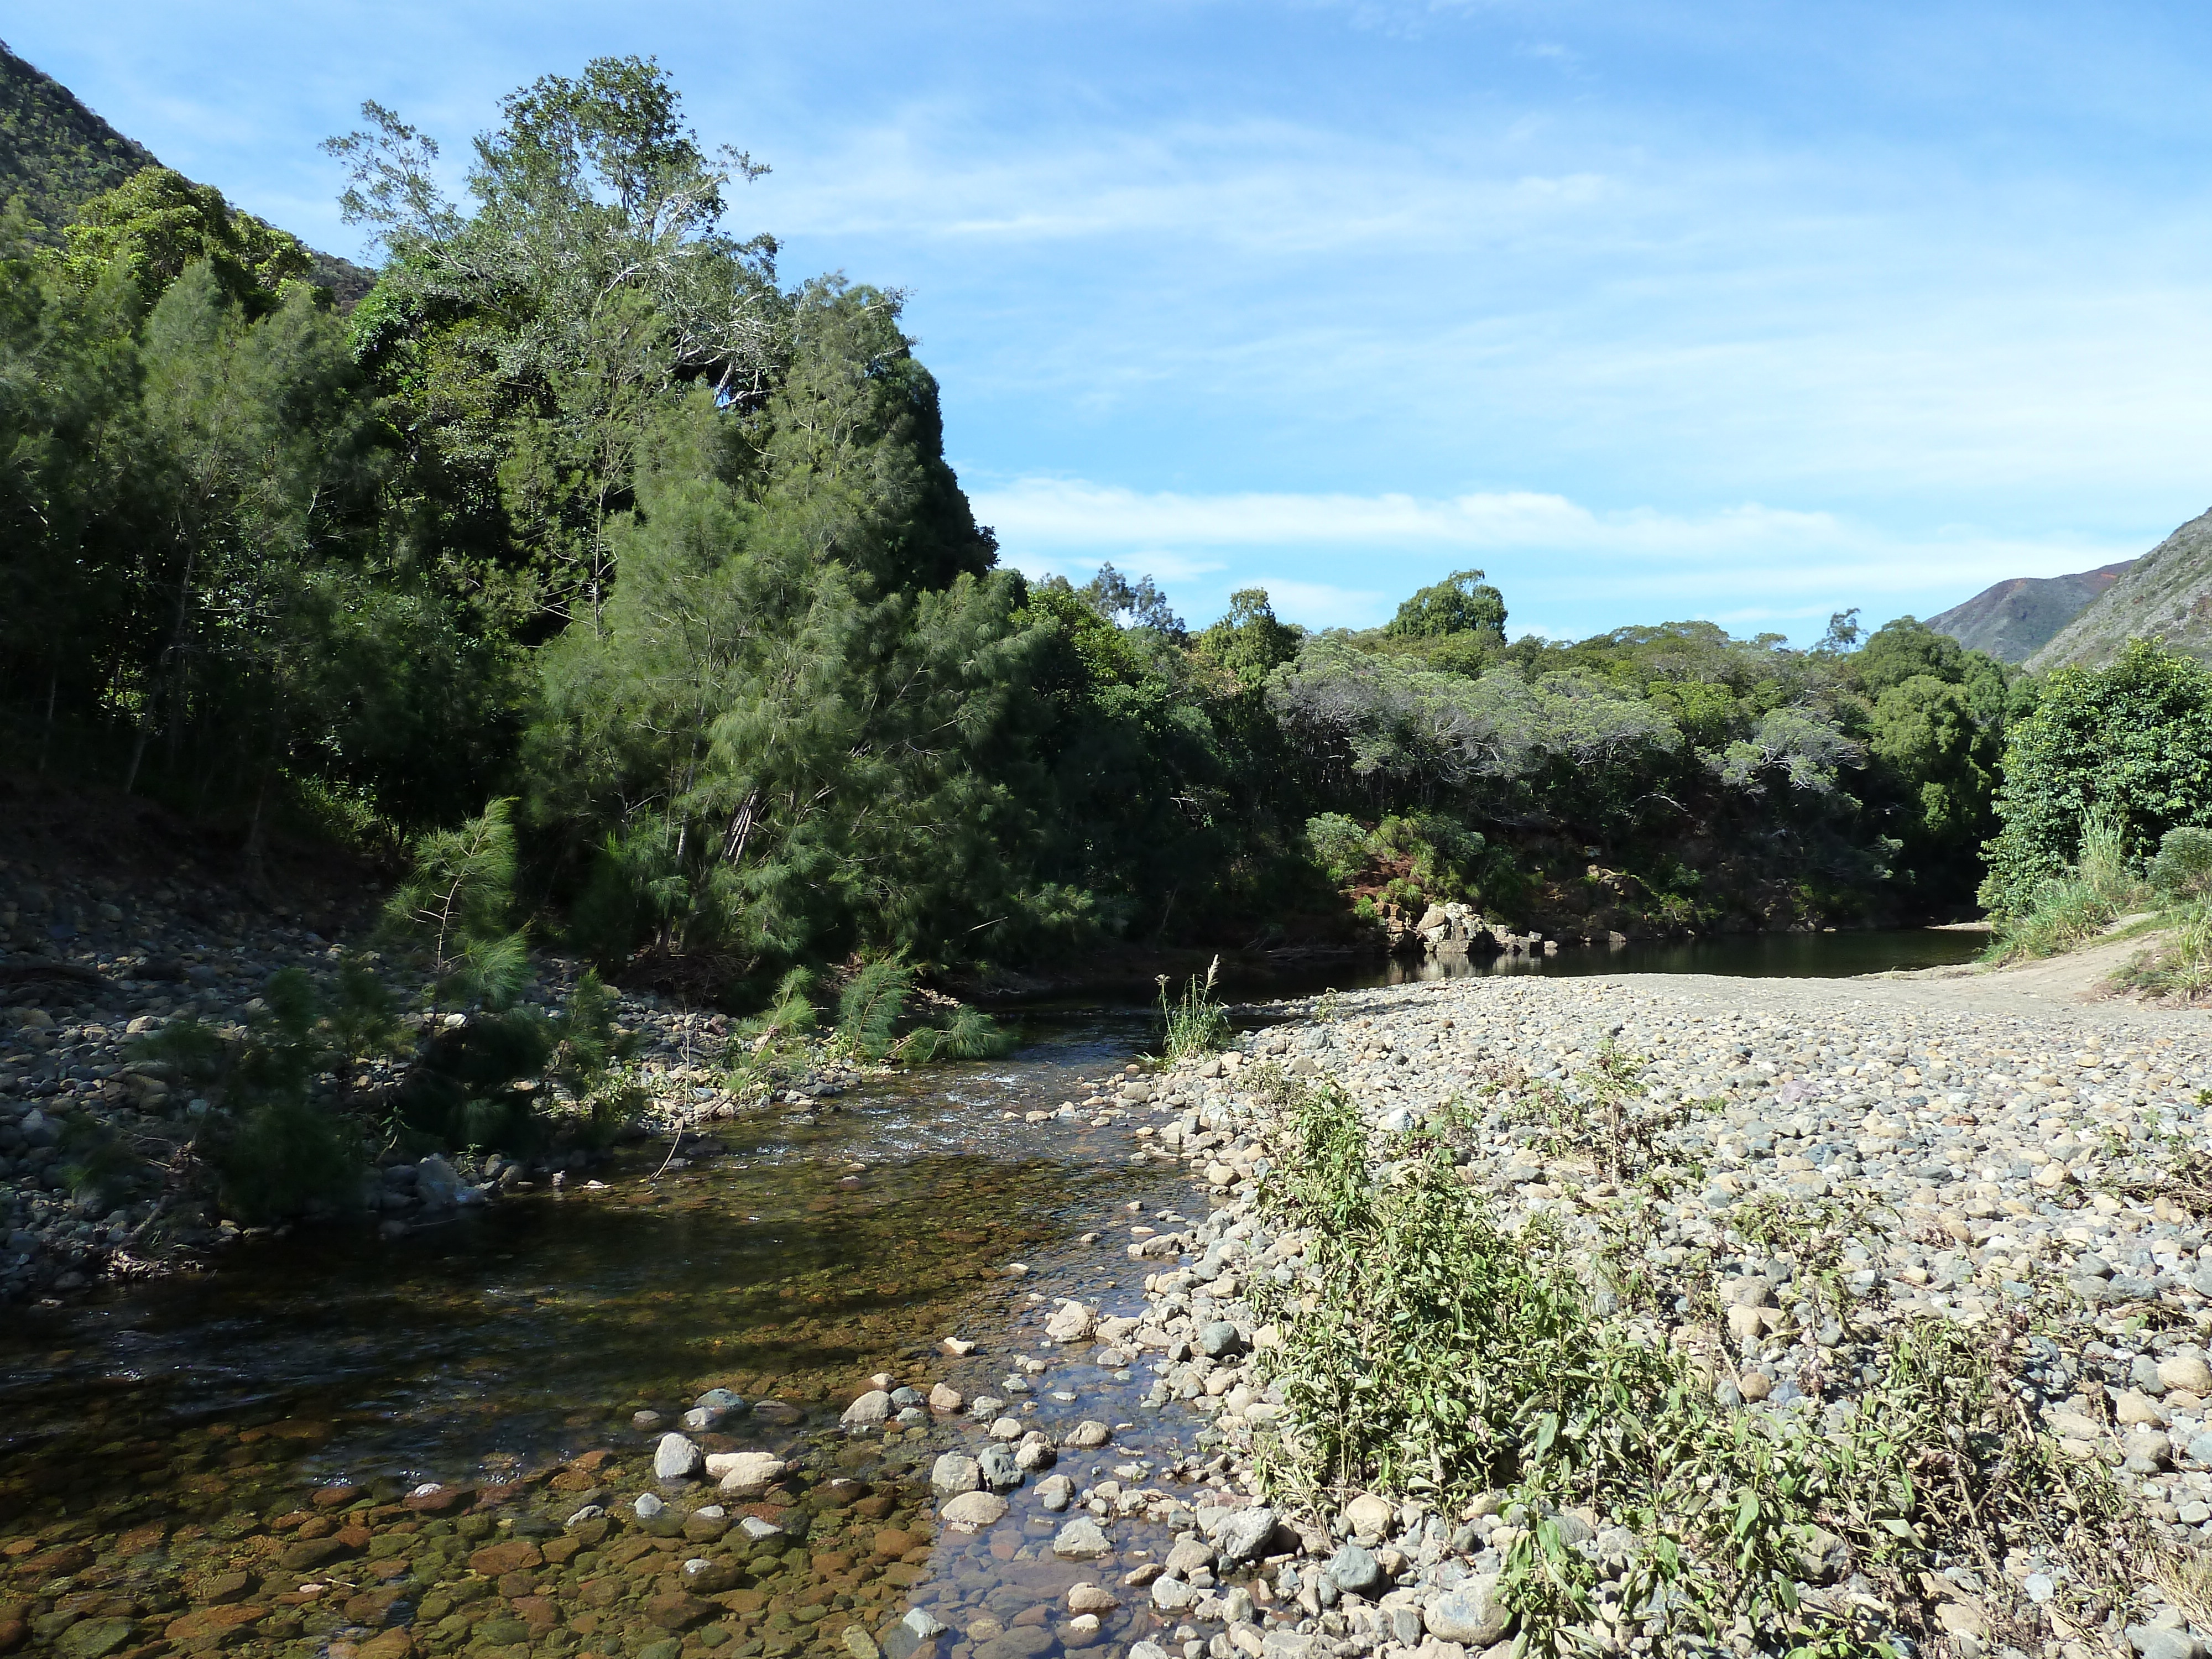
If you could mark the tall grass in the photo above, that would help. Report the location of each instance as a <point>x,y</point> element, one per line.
<point>2072,908</point>
<point>1195,1024</point>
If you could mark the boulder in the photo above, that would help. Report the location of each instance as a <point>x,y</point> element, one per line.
<point>1070,1323</point>
<point>1243,1535</point>
<point>869,1410</point>
<point>953,1474</point>
<point>1353,1569</point>
<point>745,1473</point>
<point>676,1458</point>
<point>1469,1613</point>
<point>972,1511</point>
<point>1081,1540</point>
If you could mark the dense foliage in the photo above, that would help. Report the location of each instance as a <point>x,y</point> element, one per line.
<point>583,505</point>
<point>2129,745</point>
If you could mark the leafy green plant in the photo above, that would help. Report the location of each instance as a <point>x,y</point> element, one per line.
<point>1195,1024</point>
<point>2182,869</point>
<point>99,1165</point>
<point>1433,1351</point>
<point>968,1034</point>
<point>284,1156</point>
<point>1339,845</point>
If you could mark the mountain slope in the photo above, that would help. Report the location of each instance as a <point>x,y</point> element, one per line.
<point>55,155</point>
<point>2014,619</point>
<point>2166,594</point>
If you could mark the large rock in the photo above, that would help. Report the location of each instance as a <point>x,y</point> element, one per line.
<point>1070,1323</point>
<point>1218,1337</point>
<point>871,1410</point>
<point>1088,1435</point>
<point>1055,1492</point>
<point>437,1184</point>
<point>1369,1517</point>
<point>1000,1471</point>
<point>2186,1372</point>
<point>972,1511</point>
<point>748,1473</point>
<point>1470,1613</point>
<point>676,1458</point>
<point>1354,1569</point>
<point>1081,1540</point>
<point>1172,1595</point>
<point>1243,1535</point>
<point>953,1474</point>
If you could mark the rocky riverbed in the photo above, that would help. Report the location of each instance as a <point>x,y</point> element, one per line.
<point>2026,1174</point>
<point>946,1440</point>
<point>97,964</point>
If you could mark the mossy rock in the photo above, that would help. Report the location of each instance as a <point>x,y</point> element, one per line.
<point>94,1638</point>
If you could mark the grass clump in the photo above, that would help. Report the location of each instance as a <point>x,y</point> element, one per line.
<point>2066,911</point>
<point>1433,1351</point>
<point>1195,1024</point>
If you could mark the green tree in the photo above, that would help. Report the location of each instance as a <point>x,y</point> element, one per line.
<point>157,224</point>
<point>1462,603</point>
<point>2132,739</point>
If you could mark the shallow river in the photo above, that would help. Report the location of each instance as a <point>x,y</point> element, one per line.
<point>161,1441</point>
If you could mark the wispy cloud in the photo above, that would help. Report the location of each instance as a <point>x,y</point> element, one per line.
<point>1747,565</point>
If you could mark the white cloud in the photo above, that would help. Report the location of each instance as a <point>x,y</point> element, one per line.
<point>1749,567</point>
<point>1060,515</point>
<point>1319,604</point>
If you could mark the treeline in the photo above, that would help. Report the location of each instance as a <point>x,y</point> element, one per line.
<point>584,505</point>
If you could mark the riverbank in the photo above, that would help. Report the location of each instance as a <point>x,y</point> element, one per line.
<point>1815,1179</point>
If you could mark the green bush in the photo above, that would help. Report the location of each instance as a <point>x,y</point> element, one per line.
<point>2183,867</point>
<point>2134,738</point>
<point>284,1158</point>
<point>1339,846</point>
<point>461,1090</point>
<point>1447,856</point>
<point>1433,1352</point>
<point>969,1034</point>
<point>869,1006</point>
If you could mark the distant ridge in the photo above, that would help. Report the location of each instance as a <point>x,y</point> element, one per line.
<point>55,155</point>
<point>2166,594</point>
<point>2016,619</point>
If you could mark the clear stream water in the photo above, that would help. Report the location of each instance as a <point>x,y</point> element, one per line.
<point>805,1257</point>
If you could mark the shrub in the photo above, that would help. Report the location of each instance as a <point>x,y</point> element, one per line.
<point>1339,846</point>
<point>2183,867</point>
<point>1432,1352</point>
<point>2065,910</point>
<point>286,1156</point>
<point>869,1006</point>
<point>970,1034</point>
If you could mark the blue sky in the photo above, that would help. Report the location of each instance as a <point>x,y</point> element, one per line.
<point>1744,311</point>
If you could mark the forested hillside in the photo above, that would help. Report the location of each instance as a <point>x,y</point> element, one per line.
<point>55,153</point>
<point>587,505</point>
